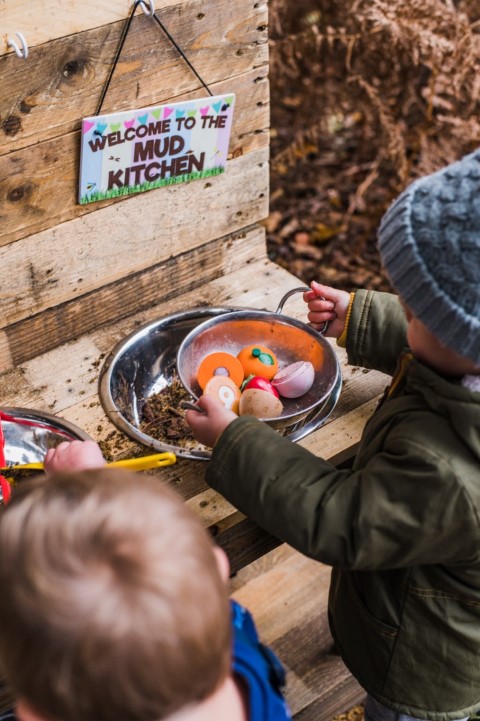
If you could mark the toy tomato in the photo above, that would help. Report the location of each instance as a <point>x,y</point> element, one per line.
<point>261,384</point>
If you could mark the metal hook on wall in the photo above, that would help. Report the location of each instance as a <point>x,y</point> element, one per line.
<point>148,12</point>
<point>20,52</point>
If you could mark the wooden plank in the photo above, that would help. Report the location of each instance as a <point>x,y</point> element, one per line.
<point>287,594</point>
<point>39,184</point>
<point>211,506</point>
<point>47,95</point>
<point>60,18</point>
<point>87,253</point>
<point>61,323</point>
<point>348,425</point>
<point>242,540</point>
<point>343,693</point>
<point>265,585</point>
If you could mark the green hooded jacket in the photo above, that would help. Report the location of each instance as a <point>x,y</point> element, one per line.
<point>401,528</point>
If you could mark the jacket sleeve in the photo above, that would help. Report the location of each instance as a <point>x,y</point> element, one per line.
<point>376,332</point>
<point>400,509</point>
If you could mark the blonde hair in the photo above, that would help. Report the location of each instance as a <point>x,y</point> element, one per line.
<point>111,605</point>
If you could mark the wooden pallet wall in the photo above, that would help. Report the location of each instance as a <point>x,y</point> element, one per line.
<point>67,268</point>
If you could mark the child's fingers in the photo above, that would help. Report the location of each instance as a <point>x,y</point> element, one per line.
<point>58,450</point>
<point>329,293</point>
<point>320,318</point>
<point>48,456</point>
<point>321,305</point>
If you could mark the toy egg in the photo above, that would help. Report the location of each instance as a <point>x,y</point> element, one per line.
<point>261,404</point>
<point>260,383</point>
<point>220,364</point>
<point>257,360</point>
<point>223,389</point>
<point>294,380</point>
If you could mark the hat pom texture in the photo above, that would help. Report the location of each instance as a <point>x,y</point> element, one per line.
<point>429,240</point>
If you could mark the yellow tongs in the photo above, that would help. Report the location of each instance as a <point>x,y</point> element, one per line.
<point>133,464</point>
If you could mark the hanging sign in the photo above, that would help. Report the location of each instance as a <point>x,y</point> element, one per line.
<point>134,151</point>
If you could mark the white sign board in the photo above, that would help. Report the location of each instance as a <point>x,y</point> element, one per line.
<point>134,151</point>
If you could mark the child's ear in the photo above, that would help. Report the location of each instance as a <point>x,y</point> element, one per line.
<point>222,562</point>
<point>25,712</point>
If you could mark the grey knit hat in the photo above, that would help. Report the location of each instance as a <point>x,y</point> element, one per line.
<point>429,240</point>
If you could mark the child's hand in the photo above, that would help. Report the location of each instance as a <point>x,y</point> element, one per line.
<point>73,456</point>
<point>208,427</point>
<point>327,304</point>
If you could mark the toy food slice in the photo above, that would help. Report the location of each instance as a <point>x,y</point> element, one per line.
<point>294,380</point>
<point>220,364</point>
<point>224,390</point>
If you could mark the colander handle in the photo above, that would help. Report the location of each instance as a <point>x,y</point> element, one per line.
<point>303,289</point>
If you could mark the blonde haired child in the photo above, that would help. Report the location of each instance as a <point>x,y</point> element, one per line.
<point>114,604</point>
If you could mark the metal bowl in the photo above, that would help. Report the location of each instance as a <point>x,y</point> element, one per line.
<point>289,339</point>
<point>31,433</point>
<point>144,364</point>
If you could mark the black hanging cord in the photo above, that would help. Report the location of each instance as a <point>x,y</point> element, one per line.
<point>179,49</point>
<point>120,46</point>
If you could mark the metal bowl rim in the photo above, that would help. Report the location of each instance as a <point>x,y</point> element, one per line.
<point>49,419</point>
<point>269,316</point>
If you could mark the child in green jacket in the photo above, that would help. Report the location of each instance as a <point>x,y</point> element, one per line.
<point>401,528</point>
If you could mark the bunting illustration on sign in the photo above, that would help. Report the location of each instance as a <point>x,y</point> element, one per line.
<point>133,151</point>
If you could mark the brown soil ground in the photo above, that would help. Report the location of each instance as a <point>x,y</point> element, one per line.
<point>365,97</point>
<point>306,228</point>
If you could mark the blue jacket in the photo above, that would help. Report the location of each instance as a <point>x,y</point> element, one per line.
<point>259,668</point>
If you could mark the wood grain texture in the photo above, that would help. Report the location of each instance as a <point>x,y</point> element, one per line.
<point>242,540</point>
<point>87,253</point>
<point>61,82</point>
<point>63,322</point>
<point>288,595</point>
<point>45,20</point>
